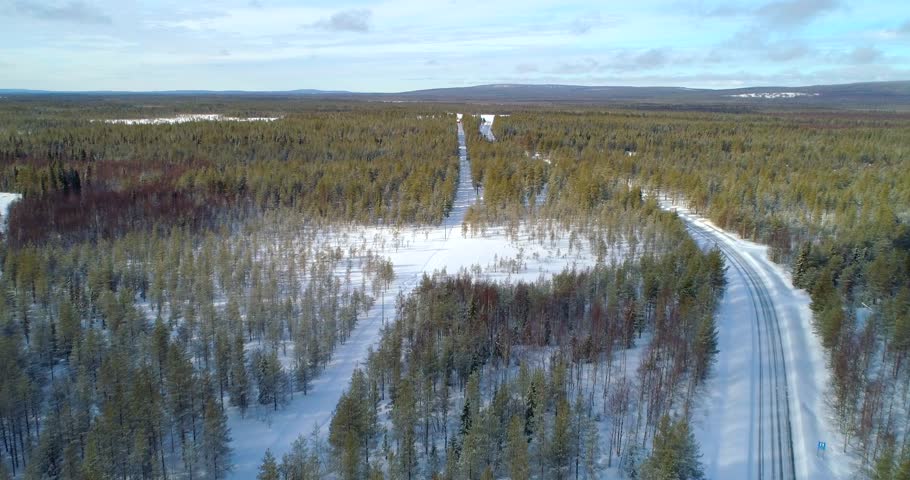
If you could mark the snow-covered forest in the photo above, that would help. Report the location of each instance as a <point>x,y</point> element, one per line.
<point>298,289</point>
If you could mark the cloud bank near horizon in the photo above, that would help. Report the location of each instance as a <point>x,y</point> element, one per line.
<point>398,45</point>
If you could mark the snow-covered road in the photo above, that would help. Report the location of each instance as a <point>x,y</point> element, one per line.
<point>765,410</point>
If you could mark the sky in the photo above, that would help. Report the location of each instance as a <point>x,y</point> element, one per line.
<point>402,45</point>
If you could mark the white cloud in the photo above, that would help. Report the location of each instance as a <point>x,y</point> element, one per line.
<point>354,20</point>
<point>74,11</point>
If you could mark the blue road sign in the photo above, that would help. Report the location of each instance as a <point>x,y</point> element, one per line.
<point>822,446</point>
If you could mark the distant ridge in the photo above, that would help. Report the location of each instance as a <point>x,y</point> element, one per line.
<point>866,94</point>
<point>869,93</point>
<point>304,91</point>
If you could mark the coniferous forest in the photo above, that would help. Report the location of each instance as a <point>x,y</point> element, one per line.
<point>162,282</point>
<point>826,191</point>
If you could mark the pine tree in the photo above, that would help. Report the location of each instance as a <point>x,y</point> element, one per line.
<point>561,444</point>
<point>240,380</point>
<point>705,347</point>
<point>271,379</point>
<point>591,447</point>
<point>487,473</point>
<point>675,454</point>
<point>93,464</point>
<point>345,432</point>
<point>717,269</point>
<point>404,419</point>
<point>801,267</point>
<point>222,363</point>
<point>884,465</point>
<point>517,455</point>
<point>268,470</point>
<point>630,462</point>
<point>903,470</point>
<point>216,450</point>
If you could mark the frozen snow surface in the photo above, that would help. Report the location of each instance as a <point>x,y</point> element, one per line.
<point>185,118</point>
<point>6,199</point>
<point>773,95</point>
<point>765,409</point>
<point>413,252</point>
<point>486,126</point>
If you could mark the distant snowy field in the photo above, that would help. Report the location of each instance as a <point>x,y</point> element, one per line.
<point>773,95</point>
<point>185,118</point>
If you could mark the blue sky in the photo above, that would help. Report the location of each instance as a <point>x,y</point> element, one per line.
<point>398,45</point>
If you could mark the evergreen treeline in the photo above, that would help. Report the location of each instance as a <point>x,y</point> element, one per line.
<point>85,179</point>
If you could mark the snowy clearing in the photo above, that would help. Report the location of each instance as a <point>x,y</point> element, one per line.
<point>486,126</point>
<point>185,118</point>
<point>6,200</point>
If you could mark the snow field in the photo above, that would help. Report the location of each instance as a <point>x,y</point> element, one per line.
<point>774,95</point>
<point>184,118</point>
<point>486,126</point>
<point>6,200</point>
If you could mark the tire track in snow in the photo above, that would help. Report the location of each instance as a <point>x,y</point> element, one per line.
<point>782,461</point>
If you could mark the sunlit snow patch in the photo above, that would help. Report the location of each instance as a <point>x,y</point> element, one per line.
<point>6,199</point>
<point>773,95</point>
<point>486,126</point>
<point>184,118</point>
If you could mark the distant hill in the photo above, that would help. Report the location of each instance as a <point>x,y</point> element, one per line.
<point>305,91</point>
<point>873,94</point>
<point>854,95</point>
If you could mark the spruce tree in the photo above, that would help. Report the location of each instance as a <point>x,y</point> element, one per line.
<point>517,449</point>
<point>404,420</point>
<point>268,470</point>
<point>561,444</point>
<point>675,453</point>
<point>216,450</point>
<point>801,266</point>
<point>705,347</point>
<point>240,380</point>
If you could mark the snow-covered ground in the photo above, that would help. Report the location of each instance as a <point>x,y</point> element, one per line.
<point>739,403</point>
<point>6,199</point>
<point>184,118</point>
<point>773,95</point>
<point>491,254</point>
<point>486,126</point>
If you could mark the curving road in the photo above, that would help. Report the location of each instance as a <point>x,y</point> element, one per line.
<point>765,412</point>
<point>772,436</point>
